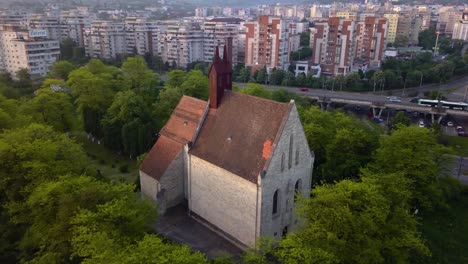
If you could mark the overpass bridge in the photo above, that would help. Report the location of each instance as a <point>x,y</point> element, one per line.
<point>379,103</point>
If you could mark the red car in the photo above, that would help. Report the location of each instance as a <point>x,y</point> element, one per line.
<point>304,89</point>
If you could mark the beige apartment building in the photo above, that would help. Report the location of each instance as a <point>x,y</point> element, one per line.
<point>23,49</point>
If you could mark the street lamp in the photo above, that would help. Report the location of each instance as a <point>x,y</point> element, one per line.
<point>435,47</point>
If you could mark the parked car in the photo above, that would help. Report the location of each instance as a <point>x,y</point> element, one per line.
<point>421,123</point>
<point>462,134</point>
<point>394,99</point>
<point>460,128</point>
<point>415,114</point>
<point>304,89</point>
<point>450,123</point>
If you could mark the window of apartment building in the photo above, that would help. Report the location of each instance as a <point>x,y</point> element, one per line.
<point>275,203</point>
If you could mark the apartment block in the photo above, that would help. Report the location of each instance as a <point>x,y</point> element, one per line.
<point>332,44</point>
<point>460,29</point>
<point>267,43</point>
<point>371,40</point>
<point>105,39</point>
<point>447,20</point>
<point>409,25</point>
<point>392,19</point>
<point>141,36</point>
<point>216,32</point>
<point>181,43</point>
<point>23,49</point>
<point>51,24</point>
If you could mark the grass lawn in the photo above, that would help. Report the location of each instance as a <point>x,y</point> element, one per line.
<point>458,144</point>
<point>107,161</point>
<point>446,232</point>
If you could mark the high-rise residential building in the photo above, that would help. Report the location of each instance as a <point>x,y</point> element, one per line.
<point>332,44</point>
<point>216,32</point>
<point>371,40</point>
<point>181,43</point>
<point>460,29</point>
<point>347,15</point>
<point>201,12</point>
<point>73,24</point>
<point>266,43</point>
<point>23,49</point>
<point>447,20</point>
<point>105,39</point>
<point>392,19</point>
<point>315,11</point>
<point>51,24</point>
<point>141,36</point>
<point>409,26</point>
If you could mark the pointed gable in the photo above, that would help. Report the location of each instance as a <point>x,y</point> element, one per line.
<point>239,135</point>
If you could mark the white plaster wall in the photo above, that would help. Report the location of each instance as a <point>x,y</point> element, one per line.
<point>225,200</point>
<point>149,186</point>
<point>275,178</point>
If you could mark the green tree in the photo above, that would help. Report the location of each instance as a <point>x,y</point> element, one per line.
<point>256,90</point>
<point>415,153</point>
<point>169,97</point>
<point>260,76</point>
<point>52,108</point>
<point>277,76</point>
<point>92,86</point>
<point>305,37</point>
<point>60,70</point>
<point>23,82</point>
<point>128,125</point>
<point>34,154</point>
<point>137,75</point>
<point>341,144</point>
<point>351,222</point>
<point>195,84</point>
<point>401,41</point>
<point>175,78</point>
<point>244,74</point>
<point>400,119</point>
<point>52,207</point>
<point>100,235</point>
<point>66,49</point>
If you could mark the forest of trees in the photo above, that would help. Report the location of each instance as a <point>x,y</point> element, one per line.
<point>55,208</point>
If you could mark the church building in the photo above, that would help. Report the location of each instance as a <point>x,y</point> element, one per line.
<point>238,161</point>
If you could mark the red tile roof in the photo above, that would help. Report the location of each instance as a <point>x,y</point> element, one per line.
<point>179,130</point>
<point>239,135</point>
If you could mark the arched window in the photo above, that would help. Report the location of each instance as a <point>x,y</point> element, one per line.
<point>290,151</point>
<point>297,189</point>
<point>297,155</point>
<point>275,203</point>
<point>282,162</point>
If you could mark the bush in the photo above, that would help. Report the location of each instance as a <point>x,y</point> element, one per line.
<point>124,168</point>
<point>102,162</point>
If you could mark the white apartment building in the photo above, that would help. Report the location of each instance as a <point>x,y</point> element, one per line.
<point>460,29</point>
<point>51,24</point>
<point>31,50</point>
<point>216,32</point>
<point>105,39</point>
<point>141,36</point>
<point>181,43</point>
<point>73,24</point>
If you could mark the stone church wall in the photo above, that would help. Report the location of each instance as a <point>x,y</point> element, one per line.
<point>282,175</point>
<point>225,200</point>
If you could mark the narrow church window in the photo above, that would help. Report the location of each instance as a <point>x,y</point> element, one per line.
<point>282,162</point>
<point>297,189</point>
<point>275,202</point>
<point>297,156</point>
<point>290,151</point>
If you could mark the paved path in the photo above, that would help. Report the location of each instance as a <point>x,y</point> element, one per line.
<point>177,226</point>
